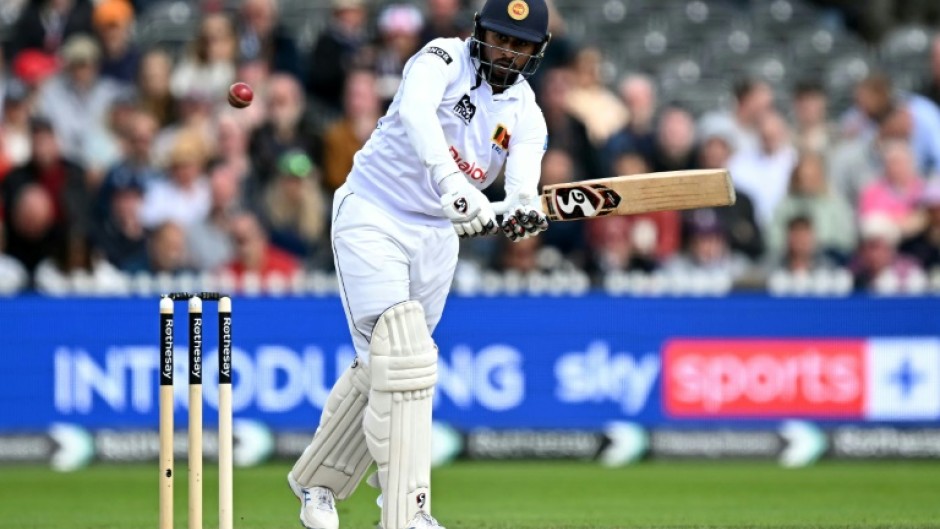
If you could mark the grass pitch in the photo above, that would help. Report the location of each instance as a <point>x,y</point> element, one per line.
<point>513,495</point>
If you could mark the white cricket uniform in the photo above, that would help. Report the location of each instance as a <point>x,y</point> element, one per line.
<point>391,240</point>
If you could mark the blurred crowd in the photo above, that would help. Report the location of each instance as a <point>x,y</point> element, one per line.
<point>117,159</point>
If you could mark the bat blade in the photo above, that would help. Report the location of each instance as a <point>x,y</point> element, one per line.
<point>641,193</point>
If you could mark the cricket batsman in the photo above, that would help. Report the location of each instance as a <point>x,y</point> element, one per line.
<point>464,111</point>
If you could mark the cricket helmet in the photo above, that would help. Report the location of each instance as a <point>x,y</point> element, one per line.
<point>523,19</point>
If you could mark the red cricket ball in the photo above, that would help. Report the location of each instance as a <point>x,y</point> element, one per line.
<point>240,95</point>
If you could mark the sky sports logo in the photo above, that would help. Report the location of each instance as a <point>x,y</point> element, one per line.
<point>875,379</point>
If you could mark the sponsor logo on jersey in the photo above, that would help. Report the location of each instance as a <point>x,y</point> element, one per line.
<point>434,50</point>
<point>501,137</point>
<point>468,168</point>
<point>518,10</point>
<point>465,109</point>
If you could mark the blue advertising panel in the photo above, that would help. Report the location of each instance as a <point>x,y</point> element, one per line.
<point>506,362</point>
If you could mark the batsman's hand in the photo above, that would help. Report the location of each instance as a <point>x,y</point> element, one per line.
<point>524,217</point>
<point>467,208</point>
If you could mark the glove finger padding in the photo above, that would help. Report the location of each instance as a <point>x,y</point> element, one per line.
<point>522,224</point>
<point>476,226</point>
<point>535,222</point>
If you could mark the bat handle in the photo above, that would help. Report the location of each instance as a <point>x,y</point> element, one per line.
<point>501,207</point>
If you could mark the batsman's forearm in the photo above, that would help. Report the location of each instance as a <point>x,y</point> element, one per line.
<point>523,169</point>
<point>422,93</point>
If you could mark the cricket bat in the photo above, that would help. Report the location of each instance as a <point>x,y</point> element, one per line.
<point>639,193</point>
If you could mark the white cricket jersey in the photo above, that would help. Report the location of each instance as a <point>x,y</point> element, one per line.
<point>444,119</point>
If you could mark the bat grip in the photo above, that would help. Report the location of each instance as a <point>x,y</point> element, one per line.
<point>501,207</point>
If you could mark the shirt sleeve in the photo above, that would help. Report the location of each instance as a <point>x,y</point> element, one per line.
<point>526,148</point>
<point>423,86</point>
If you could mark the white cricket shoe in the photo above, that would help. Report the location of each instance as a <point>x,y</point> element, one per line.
<point>317,506</point>
<point>423,520</point>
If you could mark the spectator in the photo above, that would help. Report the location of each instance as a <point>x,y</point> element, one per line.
<point>104,146</point>
<point>232,151</point>
<point>260,38</point>
<point>399,26</point>
<point>209,64</point>
<point>812,129</point>
<point>674,147</point>
<point>852,164</point>
<point>707,251</point>
<point>254,73</point>
<point>876,100</point>
<point>287,127</point>
<point>14,126</point>
<point>831,217</point>
<point>208,241</point>
<point>444,21</point>
<point>184,197</point>
<point>75,267</point>
<point>136,167</point>
<point>13,277</point>
<point>166,251</point>
<point>34,67</point>
<point>753,100</point>
<point>61,178</point>
<point>335,52</point>
<point>877,262</point>
<point>294,210</point>
<point>566,132</point>
<point>896,192</point>
<point>739,219</point>
<point>343,139</point>
<point>567,237</point>
<point>931,87</point>
<point>31,229</point>
<point>801,254</point>
<point>195,113</point>
<point>120,234</point>
<point>255,258</point>
<point>638,93</point>
<point>591,102</point>
<point>77,100</point>
<point>924,246</point>
<point>114,20</point>
<point>613,243</point>
<point>45,24</point>
<point>153,87</point>
<point>764,173</point>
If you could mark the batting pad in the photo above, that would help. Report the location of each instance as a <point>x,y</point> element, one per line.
<point>338,457</point>
<point>397,420</point>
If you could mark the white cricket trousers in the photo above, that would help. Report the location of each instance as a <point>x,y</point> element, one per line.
<point>382,260</point>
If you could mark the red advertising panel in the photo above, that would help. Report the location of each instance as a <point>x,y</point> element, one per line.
<point>764,378</point>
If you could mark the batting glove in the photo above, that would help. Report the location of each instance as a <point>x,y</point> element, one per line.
<point>524,217</point>
<point>467,208</point>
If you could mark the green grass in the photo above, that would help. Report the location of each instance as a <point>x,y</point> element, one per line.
<point>513,495</point>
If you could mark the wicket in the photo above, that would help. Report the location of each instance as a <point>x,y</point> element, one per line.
<point>195,408</point>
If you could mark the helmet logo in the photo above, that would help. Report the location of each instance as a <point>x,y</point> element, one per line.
<point>518,10</point>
